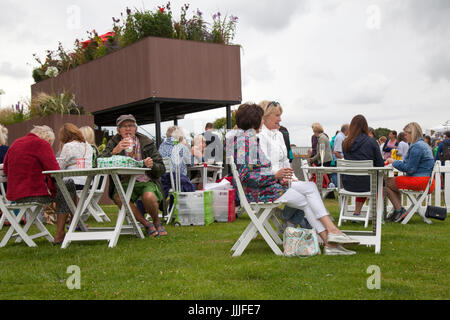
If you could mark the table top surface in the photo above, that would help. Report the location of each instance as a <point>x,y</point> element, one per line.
<point>349,169</point>
<point>95,171</point>
<point>201,165</point>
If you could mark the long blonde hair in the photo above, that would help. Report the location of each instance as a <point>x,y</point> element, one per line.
<point>88,134</point>
<point>414,129</point>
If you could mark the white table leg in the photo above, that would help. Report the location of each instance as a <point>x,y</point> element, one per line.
<point>76,210</point>
<point>379,211</point>
<point>204,176</point>
<point>125,210</point>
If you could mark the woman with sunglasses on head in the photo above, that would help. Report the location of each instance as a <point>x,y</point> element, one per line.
<point>274,147</point>
<point>261,185</point>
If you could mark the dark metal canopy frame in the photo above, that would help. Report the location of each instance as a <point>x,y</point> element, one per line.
<point>157,110</point>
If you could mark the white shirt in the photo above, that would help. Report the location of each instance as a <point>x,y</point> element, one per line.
<point>402,149</point>
<point>273,146</point>
<point>72,151</point>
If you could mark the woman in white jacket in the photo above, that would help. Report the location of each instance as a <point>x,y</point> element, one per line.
<point>272,144</point>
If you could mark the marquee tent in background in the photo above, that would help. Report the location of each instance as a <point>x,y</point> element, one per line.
<point>439,130</point>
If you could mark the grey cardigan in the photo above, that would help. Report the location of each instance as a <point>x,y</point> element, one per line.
<point>323,139</point>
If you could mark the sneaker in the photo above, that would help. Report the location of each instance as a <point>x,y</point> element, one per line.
<point>390,217</point>
<point>399,216</point>
<point>341,239</point>
<point>337,251</point>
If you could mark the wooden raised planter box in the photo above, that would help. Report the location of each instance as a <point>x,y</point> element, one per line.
<point>153,68</point>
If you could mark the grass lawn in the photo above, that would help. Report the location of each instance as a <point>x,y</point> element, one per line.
<point>196,263</point>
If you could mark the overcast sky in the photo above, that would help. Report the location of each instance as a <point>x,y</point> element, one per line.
<point>323,60</point>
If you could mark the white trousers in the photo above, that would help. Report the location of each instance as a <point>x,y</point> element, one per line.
<point>305,196</point>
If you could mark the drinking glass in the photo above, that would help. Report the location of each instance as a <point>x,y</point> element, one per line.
<point>322,153</point>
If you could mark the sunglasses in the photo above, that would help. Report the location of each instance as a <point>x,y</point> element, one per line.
<point>273,103</point>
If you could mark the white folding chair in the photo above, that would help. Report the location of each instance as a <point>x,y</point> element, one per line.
<point>345,212</point>
<point>175,184</point>
<point>95,193</point>
<point>418,197</point>
<point>259,214</point>
<point>444,170</point>
<point>31,210</point>
<point>2,195</point>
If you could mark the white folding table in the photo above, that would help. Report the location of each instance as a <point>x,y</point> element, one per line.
<point>369,238</point>
<point>204,168</point>
<point>111,234</point>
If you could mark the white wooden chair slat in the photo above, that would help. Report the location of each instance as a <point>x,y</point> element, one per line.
<point>344,195</point>
<point>95,193</point>
<point>418,197</point>
<point>259,214</point>
<point>174,183</point>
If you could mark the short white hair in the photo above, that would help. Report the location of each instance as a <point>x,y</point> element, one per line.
<point>178,134</point>
<point>44,132</point>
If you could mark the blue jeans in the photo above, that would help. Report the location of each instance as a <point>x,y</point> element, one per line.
<point>296,216</point>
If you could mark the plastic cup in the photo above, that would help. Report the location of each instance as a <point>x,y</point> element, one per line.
<point>131,146</point>
<point>80,163</point>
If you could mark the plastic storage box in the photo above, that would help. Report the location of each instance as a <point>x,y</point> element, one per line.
<point>194,208</point>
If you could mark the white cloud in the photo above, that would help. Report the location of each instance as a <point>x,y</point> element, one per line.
<point>369,90</point>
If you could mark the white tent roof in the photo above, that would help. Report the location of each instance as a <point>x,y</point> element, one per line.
<point>440,129</point>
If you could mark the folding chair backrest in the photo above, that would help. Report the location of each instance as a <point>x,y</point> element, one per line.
<point>352,164</point>
<point>2,188</point>
<point>2,180</point>
<point>237,179</point>
<point>304,164</point>
<point>101,182</point>
<point>175,182</point>
<point>168,166</point>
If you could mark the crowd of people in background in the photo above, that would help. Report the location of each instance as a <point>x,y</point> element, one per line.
<point>262,151</point>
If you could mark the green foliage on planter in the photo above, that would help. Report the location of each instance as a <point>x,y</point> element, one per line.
<point>134,26</point>
<point>41,105</point>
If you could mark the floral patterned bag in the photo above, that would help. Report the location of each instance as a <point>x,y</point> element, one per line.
<point>299,242</point>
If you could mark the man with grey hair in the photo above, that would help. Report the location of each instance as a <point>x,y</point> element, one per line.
<point>24,162</point>
<point>128,142</point>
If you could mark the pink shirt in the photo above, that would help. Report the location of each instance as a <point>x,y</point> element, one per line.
<point>390,144</point>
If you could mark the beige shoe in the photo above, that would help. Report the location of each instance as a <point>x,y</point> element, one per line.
<point>341,239</point>
<point>337,251</point>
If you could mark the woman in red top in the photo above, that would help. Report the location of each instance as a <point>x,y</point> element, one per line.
<point>24,162</point>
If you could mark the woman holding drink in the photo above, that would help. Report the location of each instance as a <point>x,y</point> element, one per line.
<point>256,173</point>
